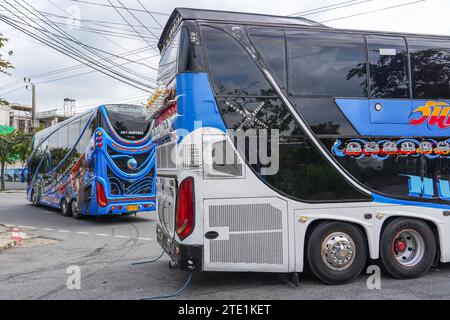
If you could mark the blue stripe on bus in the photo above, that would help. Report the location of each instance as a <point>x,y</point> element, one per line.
<point>383,199</point>
<point>194,89</point>
<point>392,120</point>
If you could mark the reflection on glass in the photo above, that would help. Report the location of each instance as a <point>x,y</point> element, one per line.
<point>388,61</point>
<point>327,64</point>
<point>430,63</point>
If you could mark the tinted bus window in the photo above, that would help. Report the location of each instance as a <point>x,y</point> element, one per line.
<point>87,135</point>
<point>74,132</point>
<point>430,64</point>
<point>271,45</point>
<point>231,69</point>
<point>303,173</point>
<point>168,63</point>
<point>327,64</point>
<point>388,60</point>
<point>128,121</point>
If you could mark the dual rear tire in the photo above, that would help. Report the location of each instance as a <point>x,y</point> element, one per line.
<point>337,252</point>
<point>70,209</point>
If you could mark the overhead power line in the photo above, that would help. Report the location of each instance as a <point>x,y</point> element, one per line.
<point>319,8</point>
<point>115,43</point>
<point>61,37</point>
<point>110,6</point>
<point>126,20</point>
<point>374,11</point>
<point>137,19</point>
<point>336,7</point>
<point>68,50</point>
<point>151,15</point>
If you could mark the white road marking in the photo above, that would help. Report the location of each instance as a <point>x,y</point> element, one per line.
<point>86,233</point>
<point>123,237</point>
<point>145,239</point>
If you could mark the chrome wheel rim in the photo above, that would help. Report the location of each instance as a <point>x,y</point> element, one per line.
<point>338,251</point>
<point>408,248</point>
<point>75,208</point>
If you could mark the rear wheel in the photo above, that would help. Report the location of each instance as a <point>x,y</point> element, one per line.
<point>407,248</point>
<point>76,210</point>
<point>34,198</point>
<point>66,209</point>
<point>336,252</point>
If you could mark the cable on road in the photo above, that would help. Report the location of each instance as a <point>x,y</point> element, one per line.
<point>176,293</point>
<point>150,261</point>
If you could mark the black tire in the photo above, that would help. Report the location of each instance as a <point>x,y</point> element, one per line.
<point>76,211</point>
<point>392,260</point>
<point>66,208</point>
<point>34,198</point>
<point>318,260</point>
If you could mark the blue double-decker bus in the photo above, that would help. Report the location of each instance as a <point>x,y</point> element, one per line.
<point>101,162</point>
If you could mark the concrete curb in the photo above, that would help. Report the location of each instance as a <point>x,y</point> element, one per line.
<point>6,244</point>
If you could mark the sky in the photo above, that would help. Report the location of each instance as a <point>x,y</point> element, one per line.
<point>32,58</point>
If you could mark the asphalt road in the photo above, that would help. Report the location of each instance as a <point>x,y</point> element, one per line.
<point>105,249</point>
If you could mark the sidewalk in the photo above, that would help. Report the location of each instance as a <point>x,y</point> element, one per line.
<point>11,236</point>
<point>5,238</point>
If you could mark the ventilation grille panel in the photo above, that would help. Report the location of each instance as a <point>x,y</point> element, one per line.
<point>165,156</point>
<point>249,232</point>
<point>260,248</point>
<point>246,217</point>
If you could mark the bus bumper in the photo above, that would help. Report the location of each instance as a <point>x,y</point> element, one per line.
<point>184,257</point>
<point>119,208</point>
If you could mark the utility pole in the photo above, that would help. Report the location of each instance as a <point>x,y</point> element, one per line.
<point>33,101</point>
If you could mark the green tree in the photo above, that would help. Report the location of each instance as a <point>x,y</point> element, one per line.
<point>5,64</point>
<point>6,155</point>
<point>22,145</point>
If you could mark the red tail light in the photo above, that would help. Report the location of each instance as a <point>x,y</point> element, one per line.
<point>102,201</point>
<point>185,217</point>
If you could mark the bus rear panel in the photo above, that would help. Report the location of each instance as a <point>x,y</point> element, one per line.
<point>99,163</point>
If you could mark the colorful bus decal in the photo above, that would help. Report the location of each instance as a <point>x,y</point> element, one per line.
<point>433,113</point>
<point>383,149</point>
<point>428,188</point>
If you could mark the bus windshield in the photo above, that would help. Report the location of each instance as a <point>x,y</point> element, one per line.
<point>129,121</point>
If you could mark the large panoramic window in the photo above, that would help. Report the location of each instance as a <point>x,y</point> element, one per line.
<point>232,70</point>
<point>430,64</point>
<point>129,121</point>
<point>168,64</point>
<point>327,64</point>
<point>303,173</point>
<point>272,46</point>
<point>389,72</point>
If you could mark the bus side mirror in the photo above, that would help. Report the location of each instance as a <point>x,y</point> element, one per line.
<point>24,175</point>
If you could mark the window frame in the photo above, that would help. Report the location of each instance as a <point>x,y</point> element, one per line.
<point>408,61</point>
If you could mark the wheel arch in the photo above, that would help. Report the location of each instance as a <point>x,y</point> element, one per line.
<point>318,221</point>
<point>432,224</point>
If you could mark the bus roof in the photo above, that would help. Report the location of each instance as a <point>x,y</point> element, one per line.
<point>239,17</point>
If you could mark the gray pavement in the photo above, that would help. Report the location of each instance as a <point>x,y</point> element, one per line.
<point>104,249</point>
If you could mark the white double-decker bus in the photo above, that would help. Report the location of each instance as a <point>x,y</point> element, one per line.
<point>283,143</point>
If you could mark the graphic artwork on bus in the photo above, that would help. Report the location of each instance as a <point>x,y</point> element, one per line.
<point>383,149</point>
<point>425,188</point>
<point>434,113</point>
